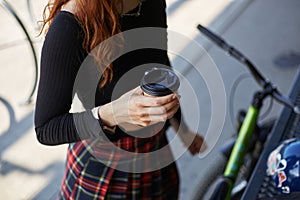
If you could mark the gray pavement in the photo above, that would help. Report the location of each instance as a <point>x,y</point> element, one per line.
<point>266,31</point>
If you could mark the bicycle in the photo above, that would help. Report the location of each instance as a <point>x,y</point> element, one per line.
<point>239,157</point>
<point>7,7</point>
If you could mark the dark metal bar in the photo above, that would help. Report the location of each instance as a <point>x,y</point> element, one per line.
<point>262,81</point>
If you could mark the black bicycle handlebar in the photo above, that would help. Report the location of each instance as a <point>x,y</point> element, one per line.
<point>260,79</point>
<point>234,53</point>
<point>286,101</point>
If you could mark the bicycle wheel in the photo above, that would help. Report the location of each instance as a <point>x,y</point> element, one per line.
<point>204,187</point>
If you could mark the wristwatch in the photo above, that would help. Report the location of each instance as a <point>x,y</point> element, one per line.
<point>95,112</point>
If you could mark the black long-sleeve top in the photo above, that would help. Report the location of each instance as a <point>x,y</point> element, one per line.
<point>62,56</point>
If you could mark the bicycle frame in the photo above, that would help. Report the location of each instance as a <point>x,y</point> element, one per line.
<point>240,147</point>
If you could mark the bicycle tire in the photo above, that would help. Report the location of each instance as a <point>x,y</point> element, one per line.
<point>203,188</point>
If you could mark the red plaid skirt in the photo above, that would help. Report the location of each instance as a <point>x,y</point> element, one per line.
<point>88,178</point>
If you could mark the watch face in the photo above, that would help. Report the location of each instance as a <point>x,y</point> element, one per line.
<point>95,113</point>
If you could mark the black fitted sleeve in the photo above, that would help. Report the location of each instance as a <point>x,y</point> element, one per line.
<point>62,55</point>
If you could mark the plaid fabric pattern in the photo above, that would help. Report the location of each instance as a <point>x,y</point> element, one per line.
<point>87,178</point>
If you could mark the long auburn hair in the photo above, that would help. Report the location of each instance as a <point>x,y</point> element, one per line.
<point>99,20</point>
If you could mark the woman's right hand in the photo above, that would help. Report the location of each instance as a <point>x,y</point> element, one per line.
<point>135,108</point>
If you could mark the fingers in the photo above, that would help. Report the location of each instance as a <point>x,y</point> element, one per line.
<point>195,147</point>
<point>145,101</point>
<point>198,145</point>
<point>151,117</point>
<point>194,142</point>
<point>143,110</point>
<point>203,147</point>
<point>162,116</point>
<point>146,110</point>
<point>173,110</point>
<point>165,109</point>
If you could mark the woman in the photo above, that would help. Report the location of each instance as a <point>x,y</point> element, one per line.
<point>93,170</point>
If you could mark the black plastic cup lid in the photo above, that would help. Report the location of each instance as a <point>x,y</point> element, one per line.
<point>160,82</point>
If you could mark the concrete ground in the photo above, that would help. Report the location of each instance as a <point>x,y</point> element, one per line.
<point>266,31</point>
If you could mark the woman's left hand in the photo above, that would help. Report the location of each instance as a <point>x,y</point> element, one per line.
<point>193,141</point>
